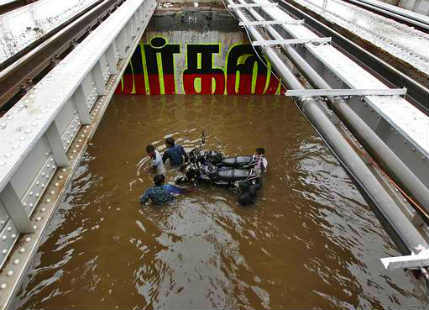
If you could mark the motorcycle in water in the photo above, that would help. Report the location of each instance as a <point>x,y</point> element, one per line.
<point>218,159</point>
<point>212,167</point>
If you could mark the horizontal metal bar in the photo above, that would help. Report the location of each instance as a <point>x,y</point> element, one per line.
<point>251,5</point>
<point>408,261</point>
<point>272,22</point>
<point>346,92</point>
<point>291,41</point>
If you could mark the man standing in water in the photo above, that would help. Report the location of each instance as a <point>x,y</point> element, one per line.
<point>249,189</point>
<point>175,153</point>
<point>160,193</point>
<point>157,163</point>
<point>261,161</point>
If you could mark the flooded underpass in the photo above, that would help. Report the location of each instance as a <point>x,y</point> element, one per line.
<point>310,241</point>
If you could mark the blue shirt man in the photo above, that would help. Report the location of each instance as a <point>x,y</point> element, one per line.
<point>175,152</point>
<point>160,193</point>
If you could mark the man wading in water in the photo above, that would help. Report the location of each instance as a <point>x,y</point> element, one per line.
<point>175,153</point>
<point>249,189</point>
<point>157,163</point>
<point>161,193</point>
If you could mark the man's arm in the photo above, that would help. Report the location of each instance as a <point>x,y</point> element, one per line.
<point>174,189</point>
<point>145,197</point>
<point>265,163</point>
<point>165,156</point>
<point>156,160</point>
<point>185,156</point>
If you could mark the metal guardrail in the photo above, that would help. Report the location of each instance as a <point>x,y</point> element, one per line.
<point>29,65</point>
<point>8,5</point>
<point>43,136</point>
<point>26,27</point>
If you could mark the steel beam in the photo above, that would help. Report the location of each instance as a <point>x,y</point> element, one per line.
<point>15,209</point>
<point>98,78</point>
<point>54,139</point>
<point>251,5</point>
<point>263,23</point>
<point>328,92</point>
<point>291,41</point>
<point>112,60</point>
<point>80,101</point>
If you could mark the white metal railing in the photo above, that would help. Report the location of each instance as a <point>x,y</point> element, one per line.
<point>21,27</point>
<point>3,2</point>
<point>45,130</point>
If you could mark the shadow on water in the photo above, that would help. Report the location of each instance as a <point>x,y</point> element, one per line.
<point>311,241</point>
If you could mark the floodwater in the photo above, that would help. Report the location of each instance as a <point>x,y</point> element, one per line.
<point>310,242</point>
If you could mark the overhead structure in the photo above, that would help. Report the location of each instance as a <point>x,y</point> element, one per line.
<point>370,105</point>
<point>397,51</point>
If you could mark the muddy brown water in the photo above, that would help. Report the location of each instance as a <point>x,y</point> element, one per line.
<point>310,241</point>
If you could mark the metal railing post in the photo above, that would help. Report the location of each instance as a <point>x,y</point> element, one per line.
<point>54,139</point>
<point>15,209</point>
<point>80,102</point>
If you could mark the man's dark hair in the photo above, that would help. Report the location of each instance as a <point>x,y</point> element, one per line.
<point>158,179</point>
<point>150,148</point>
<point>169,141</point>
<point>260,151</point>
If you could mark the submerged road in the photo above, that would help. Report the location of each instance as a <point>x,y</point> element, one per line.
<point>311,241</point>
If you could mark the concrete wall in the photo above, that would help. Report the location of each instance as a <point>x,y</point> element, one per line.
<point>196,51</point>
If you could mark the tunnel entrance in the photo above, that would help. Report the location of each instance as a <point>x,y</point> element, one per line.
<point>197,52</point>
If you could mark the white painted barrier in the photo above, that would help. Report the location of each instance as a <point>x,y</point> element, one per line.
<point>21,27</point>
<point>49,127</point>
